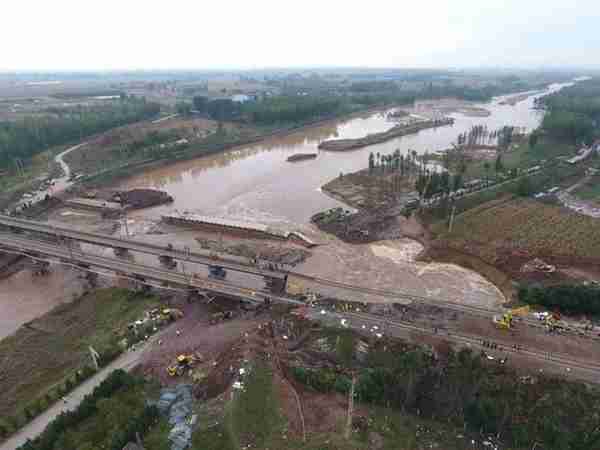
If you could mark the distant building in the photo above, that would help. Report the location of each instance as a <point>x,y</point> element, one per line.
<point>240,98</point>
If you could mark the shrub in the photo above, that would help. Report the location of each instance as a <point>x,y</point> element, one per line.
<point>570,299</point>
<point>69,384</point>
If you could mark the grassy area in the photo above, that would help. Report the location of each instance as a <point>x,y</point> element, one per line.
<point>112,415</point>
<point>521,155</point>
<point>381,428</point>
<point>559,174</point>
<point>13,185</point>
<point>251,418</point>
<point>46,351</point>
<point>108,418</point>
<point>527,225</point>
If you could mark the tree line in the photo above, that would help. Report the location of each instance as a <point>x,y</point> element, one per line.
<point>22,139</point>
<point>465,390</point>
<point>120,409</point>
<point>569,299</point>
<point>481,135</point>
<point>285,109</point>
<point>413,165</point>
<point>572,112</point>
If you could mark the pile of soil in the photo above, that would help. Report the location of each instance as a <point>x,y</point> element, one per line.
<point>368,226</point>
<point>277,254</point>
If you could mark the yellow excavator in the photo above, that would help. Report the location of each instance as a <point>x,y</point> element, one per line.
<point>505,322</point>
<point>184,362</point>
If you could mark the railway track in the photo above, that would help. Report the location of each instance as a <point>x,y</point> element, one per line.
<point>33,226</point>
<point>477,342</point>
<point>430,301</point>
<point>26,246</point>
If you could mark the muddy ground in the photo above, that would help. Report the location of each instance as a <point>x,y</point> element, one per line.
<point>371,189</point>
<point>393,266</point>
<point>195,335</point>
<point>286,254</point>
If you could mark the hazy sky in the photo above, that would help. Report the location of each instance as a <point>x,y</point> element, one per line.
<point>129,34</point>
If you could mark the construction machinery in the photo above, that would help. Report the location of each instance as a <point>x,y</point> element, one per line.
<point>506,321</point>
<point>220,317</point>
<point>171,314</point>
<point>182,364</point>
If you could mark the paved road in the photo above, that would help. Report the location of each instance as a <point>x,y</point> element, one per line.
<point>126,361</point>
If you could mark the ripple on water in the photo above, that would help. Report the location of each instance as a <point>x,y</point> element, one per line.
<point>439,278</point>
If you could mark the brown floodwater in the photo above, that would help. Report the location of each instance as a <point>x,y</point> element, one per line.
<point>256,183</point>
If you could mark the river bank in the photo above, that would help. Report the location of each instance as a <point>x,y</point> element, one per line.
<point>377,138</point>
<point>105,178</point>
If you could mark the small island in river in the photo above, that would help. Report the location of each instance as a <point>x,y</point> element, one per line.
<point>377,138</point>
<point>301,157</point>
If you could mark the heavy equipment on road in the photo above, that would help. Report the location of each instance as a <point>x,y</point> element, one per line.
<point>182,364</point>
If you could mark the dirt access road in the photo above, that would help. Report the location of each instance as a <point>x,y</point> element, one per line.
<point>127,361</point>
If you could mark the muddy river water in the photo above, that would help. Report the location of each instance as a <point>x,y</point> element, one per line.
<point>256,183</point>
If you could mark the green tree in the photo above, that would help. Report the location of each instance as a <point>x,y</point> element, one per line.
<point>183,108</point>
<point>533,138</point>
<point>524,187</point>
<point>458,182</point>
<point>499,166</point>
<point>487,167</point>
<point>200,104</point>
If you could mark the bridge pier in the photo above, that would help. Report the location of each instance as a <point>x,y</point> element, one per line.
<point>167,261</point>
<point>92,278</point>
<point>276,285</point>
<point>40,268</point>
<point>193,295</point>
<point>120,251</point>
<point>140,284</point>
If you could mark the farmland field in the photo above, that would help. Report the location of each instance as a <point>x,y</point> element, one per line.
<point>524,224</point>
<point>48,349</point>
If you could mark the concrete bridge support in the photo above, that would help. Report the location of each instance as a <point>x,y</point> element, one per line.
<point>40,268</point>
<point>119,251</point>
<point>167,261</point>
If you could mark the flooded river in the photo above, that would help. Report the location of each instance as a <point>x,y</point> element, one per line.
<point>256,183</point>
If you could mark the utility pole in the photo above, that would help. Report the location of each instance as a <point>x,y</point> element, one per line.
<point>125,223</point>
<point>451,219</point>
